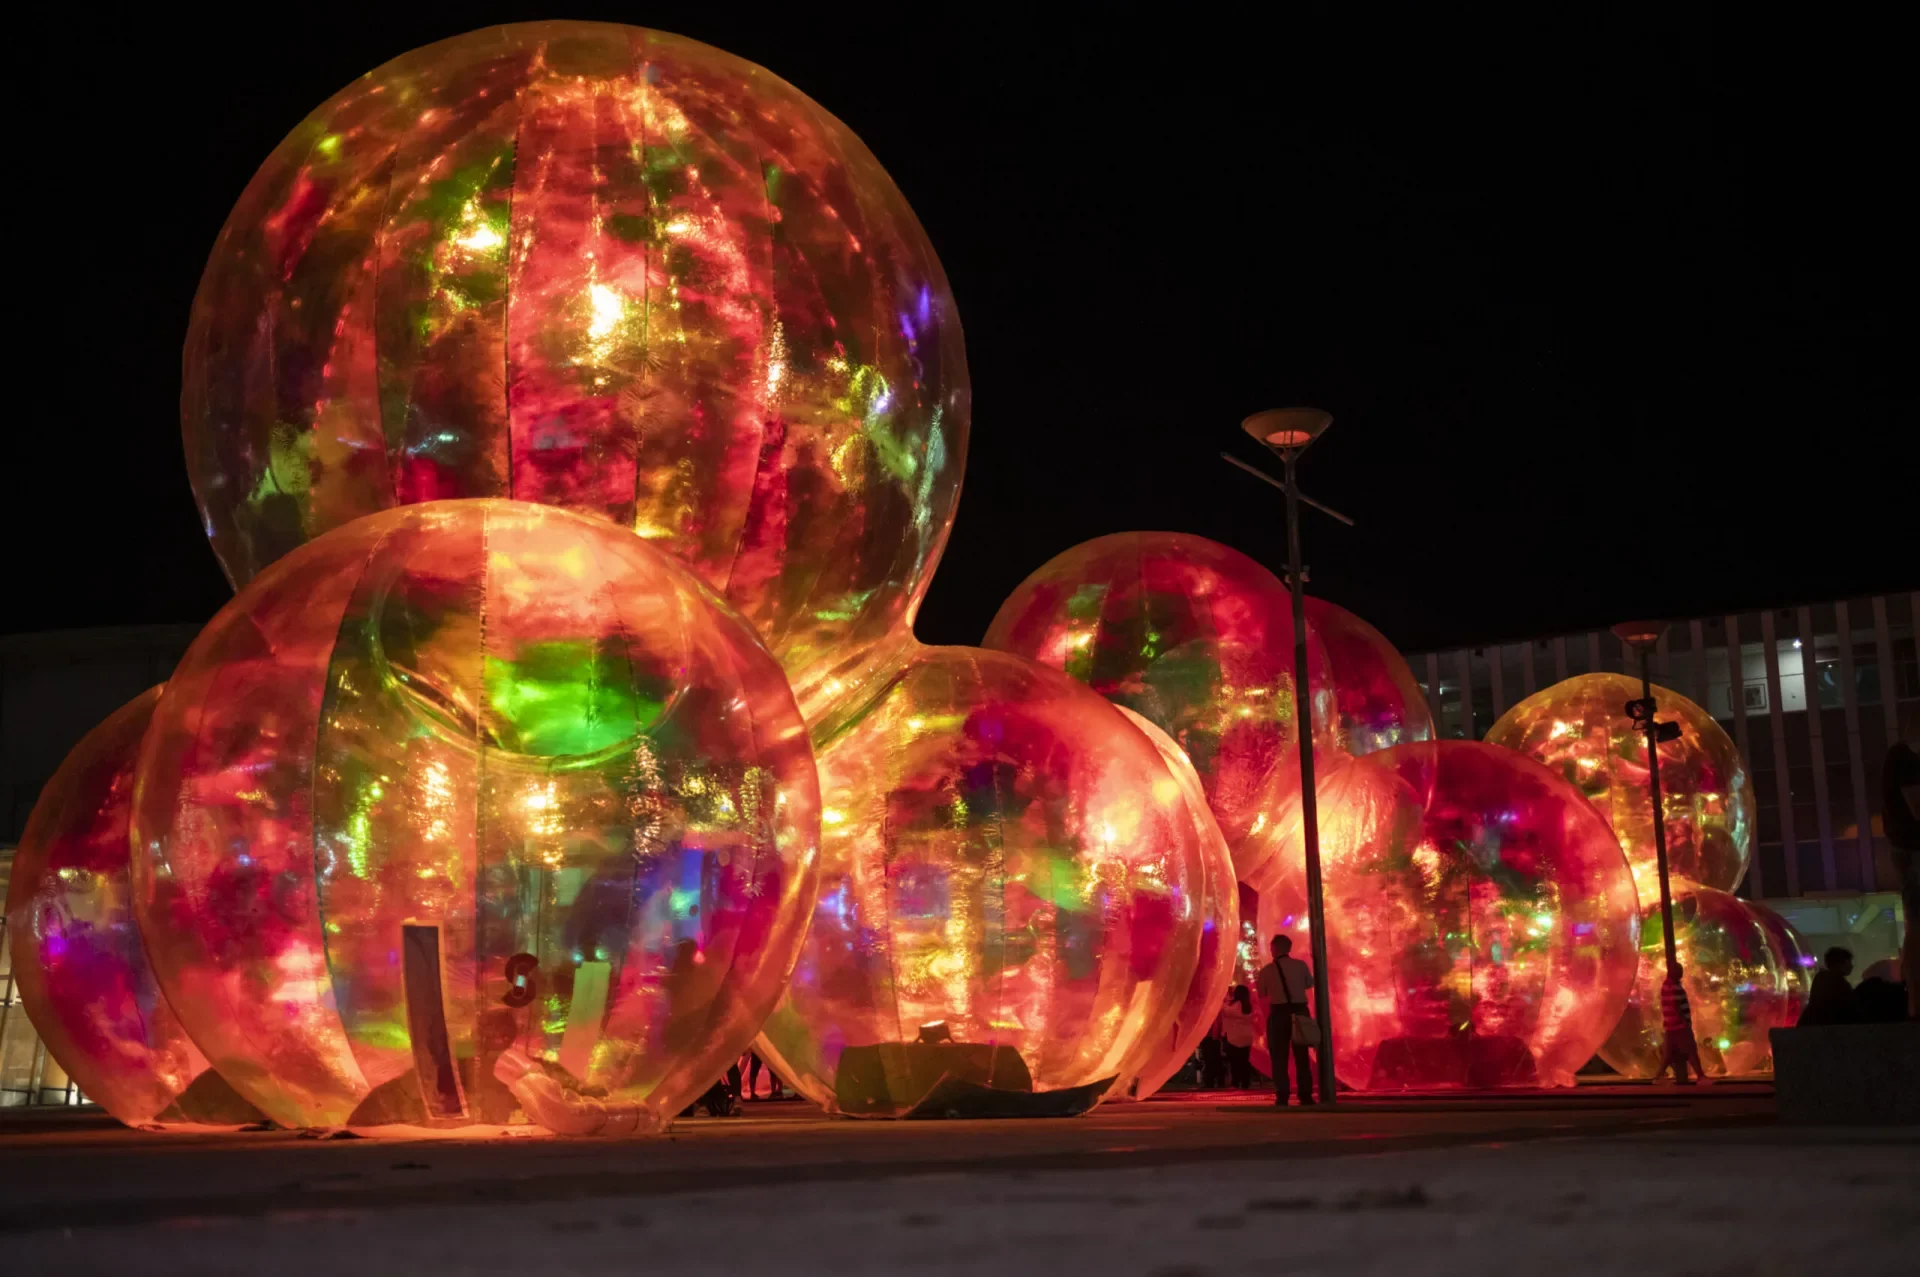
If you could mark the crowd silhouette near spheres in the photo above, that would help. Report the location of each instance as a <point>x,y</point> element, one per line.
<point>1879,998</point>
<point>1282,991</point>
<point>740,1085</point>
<point>1279,1001</point>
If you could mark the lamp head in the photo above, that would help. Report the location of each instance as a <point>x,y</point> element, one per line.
<point>1640,635</point>
<point>1287,429</point>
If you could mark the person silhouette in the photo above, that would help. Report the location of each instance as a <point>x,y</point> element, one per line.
<point>1283,985</point>
<point>1678,1049</point>
<point>1831,999</point>
<point>1236,1029</point>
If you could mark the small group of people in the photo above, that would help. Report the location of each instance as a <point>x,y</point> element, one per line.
<point>755,1066</point>
<point>1281,988</point>
<point>724,1097</point>
<point>1880,996</point>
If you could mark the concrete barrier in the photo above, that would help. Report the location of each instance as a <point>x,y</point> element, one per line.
<point>1848,1074</point>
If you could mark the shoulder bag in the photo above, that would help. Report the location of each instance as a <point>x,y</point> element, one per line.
<point>1305,1032</point>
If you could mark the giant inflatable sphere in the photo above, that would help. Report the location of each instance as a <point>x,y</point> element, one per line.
<point>1219,903</point>
<point>475,811</point>
<point>1480,918</point>
<point>601,268</point>
<point>1736,987</point>
<point>1579,728</point>
<point>1195,637</point>
<point>1376,704</point>
<point>1011,895</point>
<point>79,967</point>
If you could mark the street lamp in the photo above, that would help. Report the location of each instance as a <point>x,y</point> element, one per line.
<point>1288,432</point>
<point>1643,637</point>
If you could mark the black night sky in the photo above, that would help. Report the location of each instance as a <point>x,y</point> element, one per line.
<point>1522,262</point>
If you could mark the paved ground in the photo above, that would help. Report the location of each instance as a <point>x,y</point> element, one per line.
<point>1590,1182</point>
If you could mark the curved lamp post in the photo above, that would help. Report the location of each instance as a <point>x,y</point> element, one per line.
<point>1288,432</point>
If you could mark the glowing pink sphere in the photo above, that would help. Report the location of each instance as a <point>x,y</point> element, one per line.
<point>1011,895</point>
<point>1480,918</point>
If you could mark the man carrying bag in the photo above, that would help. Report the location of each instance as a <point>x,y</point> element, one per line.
<point>1283,985</point>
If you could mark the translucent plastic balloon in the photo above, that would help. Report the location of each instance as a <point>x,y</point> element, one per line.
<point>1736,987</point>
<point>602,268</point>
<point>1580,729</point>
<point>1195,637</point>
<point>1219,923</point>
<point>1377,702</point>
<point>1480,918</point>
<point>475,811</point>
<point>1795,959</point>
<point>78,963</point>
<point>1011,893</point>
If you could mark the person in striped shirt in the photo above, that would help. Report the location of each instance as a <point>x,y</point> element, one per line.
<point>1676,1031</point>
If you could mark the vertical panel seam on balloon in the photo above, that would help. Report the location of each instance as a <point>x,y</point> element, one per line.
<point>387,435</point>
<point>480,859</point>
<point>619,631</point>
<point>646,265</point>
<point>885,897</point>
<point>506,307</point>
<point>998,859</point>
<point>313,787</point>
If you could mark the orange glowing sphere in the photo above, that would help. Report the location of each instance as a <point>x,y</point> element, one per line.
<point>1012,894</point>
<point>606,269</point>
<point>1580,729</point>
<point>79,967</point>
<point>1480,918</point>
<point>1198,638</point>
<point>1737,986</point>
<point>475,811</point>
